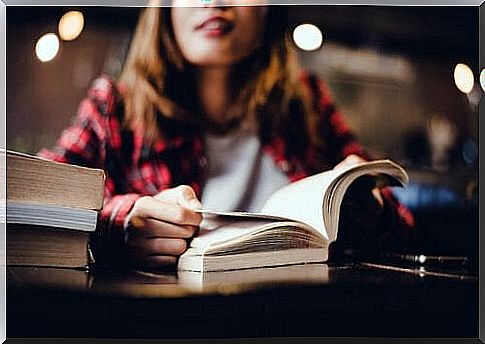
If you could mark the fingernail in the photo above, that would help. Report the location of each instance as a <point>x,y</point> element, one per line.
<point>195,204</point>
<point>137,222</point>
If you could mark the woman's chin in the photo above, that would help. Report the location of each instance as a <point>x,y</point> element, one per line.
<point>214,57</point>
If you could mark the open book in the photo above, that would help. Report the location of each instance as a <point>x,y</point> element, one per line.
<point>295,226</point>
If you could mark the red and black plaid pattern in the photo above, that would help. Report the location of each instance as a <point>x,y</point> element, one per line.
<point>135,167</point>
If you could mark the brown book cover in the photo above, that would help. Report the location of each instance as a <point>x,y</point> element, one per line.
<point>29,245</point>
<point>31,179</point>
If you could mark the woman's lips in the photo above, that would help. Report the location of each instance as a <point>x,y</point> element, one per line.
<point>215,27</point>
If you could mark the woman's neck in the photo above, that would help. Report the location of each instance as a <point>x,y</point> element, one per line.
<point>214,92</point>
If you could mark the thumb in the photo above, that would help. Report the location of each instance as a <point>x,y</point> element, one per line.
<point>187,198</point>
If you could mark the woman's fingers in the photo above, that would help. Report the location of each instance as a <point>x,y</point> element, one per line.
<point>150,207</point>
<point>182,195</point>
<point>376,192</point>
<point>157,246</point>
<point>158,227</point>
<point>155,228</point>
<point>157,261</point>
<point>148,251</point>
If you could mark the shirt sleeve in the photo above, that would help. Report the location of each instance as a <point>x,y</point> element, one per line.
<point>85,143</point>
<point>395,229</point>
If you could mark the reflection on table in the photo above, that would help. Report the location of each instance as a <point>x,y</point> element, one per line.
<point>364,299</point>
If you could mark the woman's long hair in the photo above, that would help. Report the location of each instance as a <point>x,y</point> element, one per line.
<point>158,82</point>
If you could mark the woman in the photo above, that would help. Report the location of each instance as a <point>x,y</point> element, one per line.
<point>210,96</point>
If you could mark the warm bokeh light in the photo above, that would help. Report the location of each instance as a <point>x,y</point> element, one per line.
<point>71,25</point>
<point>464,79</point>
<point>308,37</point>
<point>482,79</point>
<point>47,47</point>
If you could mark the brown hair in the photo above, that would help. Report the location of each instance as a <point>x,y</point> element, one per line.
<point>271,90</point>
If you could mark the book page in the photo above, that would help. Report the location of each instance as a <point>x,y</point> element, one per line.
<point>302,200</point>
<point>52,216</point>
<point>222,229</point>
<point>315,200</point>
<point>241,215</point>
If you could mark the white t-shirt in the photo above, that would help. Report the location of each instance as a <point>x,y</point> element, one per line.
<point>240,176</point>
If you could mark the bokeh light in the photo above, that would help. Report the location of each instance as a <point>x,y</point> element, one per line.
<point>47,47</point>
<point>308,37</point>
<point>464,79</point>
<point>482,79</point>
<point>71,25</point>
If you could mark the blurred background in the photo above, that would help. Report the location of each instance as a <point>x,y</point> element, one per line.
<point>406,78</point>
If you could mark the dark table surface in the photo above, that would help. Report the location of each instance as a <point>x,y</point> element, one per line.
<point>355,299</point>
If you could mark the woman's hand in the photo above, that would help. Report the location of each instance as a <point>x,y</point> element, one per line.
<point>361,206</point>
<point>158,227</point>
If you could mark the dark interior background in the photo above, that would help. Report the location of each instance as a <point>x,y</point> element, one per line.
<point>390,69</point>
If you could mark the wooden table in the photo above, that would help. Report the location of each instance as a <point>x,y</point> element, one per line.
<point>308,300</point>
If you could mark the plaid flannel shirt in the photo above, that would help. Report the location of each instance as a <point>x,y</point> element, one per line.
<point>135,167</point>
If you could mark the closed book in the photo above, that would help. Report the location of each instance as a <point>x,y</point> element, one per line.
<point>32,179</point>
<point>29,245</point>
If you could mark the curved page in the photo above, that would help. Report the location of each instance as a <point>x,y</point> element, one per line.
<point>220,231</point>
